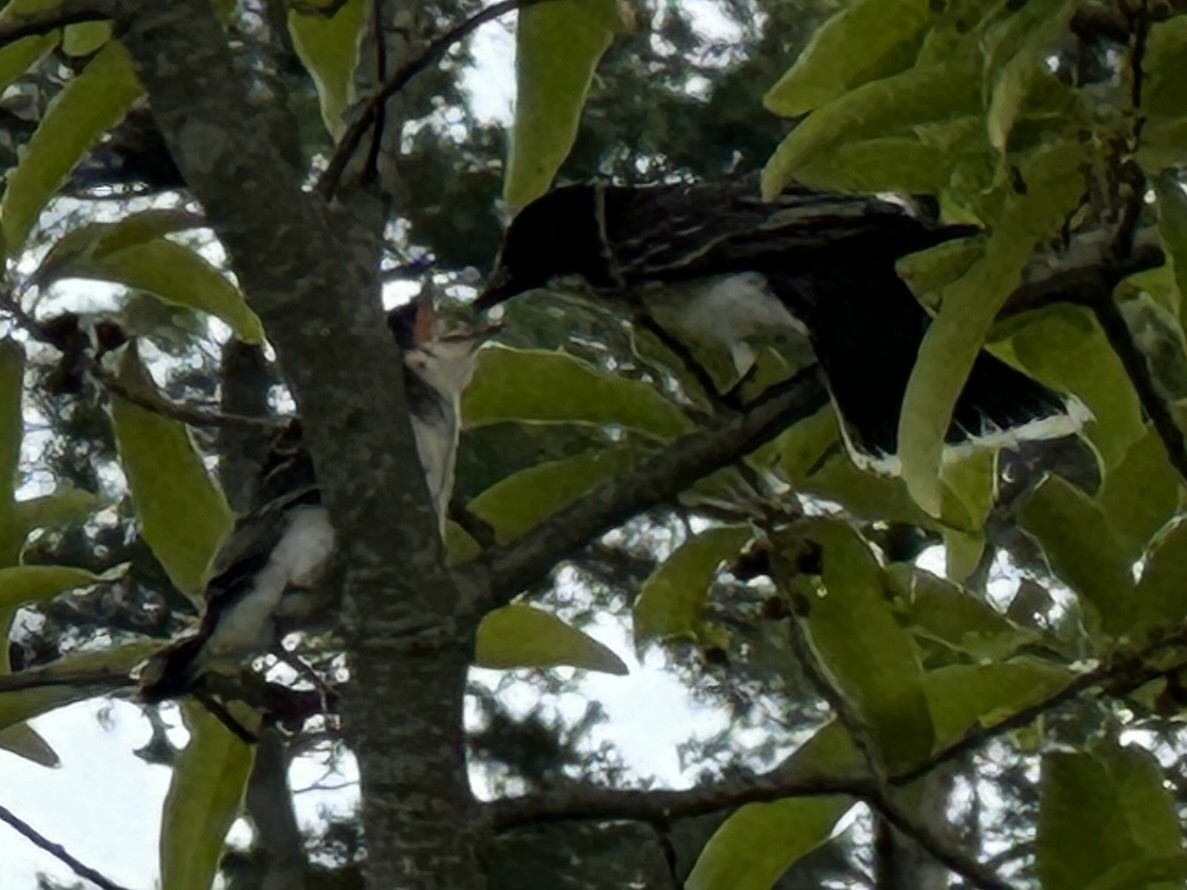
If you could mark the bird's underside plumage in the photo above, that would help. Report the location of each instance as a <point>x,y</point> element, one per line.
<point>265,577</point>
<point>808,262</point>
<point>252,572</point>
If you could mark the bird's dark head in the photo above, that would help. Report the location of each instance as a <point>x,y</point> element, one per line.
<point>561,234</point>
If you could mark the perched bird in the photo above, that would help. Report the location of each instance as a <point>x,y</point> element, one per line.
<point>740,270</point>
<point>266,574</point>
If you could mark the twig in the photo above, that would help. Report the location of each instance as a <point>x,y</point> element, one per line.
<point>59,852</point>
<point>1119,676</point>
<point>971,870</point>
<point>188,414</point>
<point>658,806</point>
<point>644,320</point>
<point>1112,322</point>
<point>142,398</point>
<point>845,713</point>
<point>1130,672</point>
<point>42,21</point>
<point>879,794</point>
<point>502,572</point>
<point>433,53</point>
<point>1122,249</point>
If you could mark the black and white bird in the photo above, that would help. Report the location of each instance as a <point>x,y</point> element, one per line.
<point>739,270</point>
<point>267,572</point>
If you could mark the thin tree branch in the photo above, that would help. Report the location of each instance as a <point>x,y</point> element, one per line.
<point>191,415</point>
<point>1119,676</point>
<point>971,870</point>
<point>659,806</point>
<point>879,795</point>
<point>372,108</point>
<point>501,573</point>
<point>1122,675</point>
<point>1157,407</point>
<point>59,852</point>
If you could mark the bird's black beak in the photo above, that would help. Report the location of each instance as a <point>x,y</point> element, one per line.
<point>499,287</point>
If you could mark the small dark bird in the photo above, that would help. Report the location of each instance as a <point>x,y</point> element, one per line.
<point>267,571</point>
<point>739,270</point>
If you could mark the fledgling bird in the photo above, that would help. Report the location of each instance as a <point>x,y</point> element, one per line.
<point>266,573</point>
<point>732,268</point>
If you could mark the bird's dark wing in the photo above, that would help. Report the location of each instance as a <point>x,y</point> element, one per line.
<point>614,237</point>
<point>706,229</point>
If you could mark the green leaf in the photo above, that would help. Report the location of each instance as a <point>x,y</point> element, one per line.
<point>1172,226</point>
<point>513,506</point>
<point>940,612</point>
<point>1155,873</point>
<point>1152,317</point>
<point>672,602</point>
<point>1113,795</point>
<point>71,253</point>
<point>1063,347</point>
<point>37,584</point>
<point>970,305</point>
<point>523,637</point>
<point>25,517</point>
<point>869,39</point>
<point>558,46</point>
<point>538,386</point>
<point>18,707</point>
<point>1140,495</point>
<point>60,508</point>
<point>24,741</point>
<point>17,58</point>
<point>864,495</point>
<point>328,47</point>
<point>969,491</point>
<point>871,659</point>
<point>1042,22</point>
<point>758,843</point>
<point>1161,594</point>
<point>183,515</point>
<point>890,163</point>
<point>177,275</point>
<point>802,447</point>
<point>1082,550</point>
<point>962,696</point>
<point>887,107</point>
<point>1163,145</point>
<point>204,799</point>
<point>460,548</point>
<point>95,100</point>
<point>1165,69</point>
<point>84,38</point>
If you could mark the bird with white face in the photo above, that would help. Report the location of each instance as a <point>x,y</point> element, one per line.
<point>267,572</point>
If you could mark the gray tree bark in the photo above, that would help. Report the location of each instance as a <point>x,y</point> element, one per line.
<point>310,270</point>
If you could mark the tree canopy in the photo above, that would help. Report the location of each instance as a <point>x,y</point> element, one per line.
<point>970,674</point>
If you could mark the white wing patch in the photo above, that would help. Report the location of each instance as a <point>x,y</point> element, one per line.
<point>729,311</point>
<point>297,560</point>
